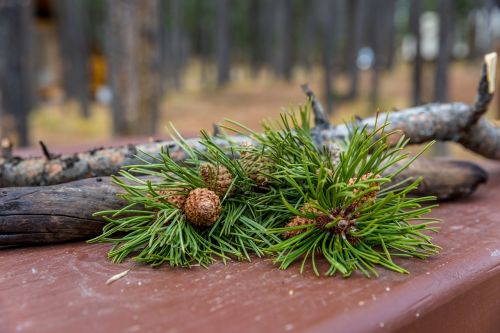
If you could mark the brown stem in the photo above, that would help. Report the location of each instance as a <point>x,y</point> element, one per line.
<point>45,150</point>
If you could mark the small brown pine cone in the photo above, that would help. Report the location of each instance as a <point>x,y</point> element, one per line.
<point>256,166</point>
<point>202,207</point>
<point>173,197</point>
<point>244,153</point>
<point>216,178</point>
<point>370,196</point>
<point>295,222</point>
<point>308,208</point>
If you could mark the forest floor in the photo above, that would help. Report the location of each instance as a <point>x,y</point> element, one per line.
<point>245,100</point>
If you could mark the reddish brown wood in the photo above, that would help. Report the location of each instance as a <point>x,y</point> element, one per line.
<point>62,288</point>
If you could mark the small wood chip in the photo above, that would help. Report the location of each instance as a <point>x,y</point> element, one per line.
<point>117,276</point>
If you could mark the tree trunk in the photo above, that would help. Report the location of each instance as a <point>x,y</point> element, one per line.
<point>133,54</point>
<point>172,43</point>
<point>283,62</point>
<point>446,10</point>
<point>177,42</point>
<point>376,44</point>
<point>222,42</point>
<point>415,13</point>
<point>356,30</point>
<point>307,37</point>
<point>16,92</point>
<point>382,36</point>
<point>257,36</point>
<point>326,26</point>
<point>73,17</point>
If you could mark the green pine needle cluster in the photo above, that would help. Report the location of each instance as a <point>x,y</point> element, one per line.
<point>288,198</point>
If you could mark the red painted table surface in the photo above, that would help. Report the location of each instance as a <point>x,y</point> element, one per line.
<point>62,288</point>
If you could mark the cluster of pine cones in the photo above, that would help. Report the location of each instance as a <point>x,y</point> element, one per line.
<point>346,221</point>
<point>202,206</point>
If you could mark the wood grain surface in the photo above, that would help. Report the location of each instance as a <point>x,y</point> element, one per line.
<point>61,288</point>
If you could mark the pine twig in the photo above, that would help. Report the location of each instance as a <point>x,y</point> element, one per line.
<point>321,120</point>
<point>48,155</point>
<point>217,131</point>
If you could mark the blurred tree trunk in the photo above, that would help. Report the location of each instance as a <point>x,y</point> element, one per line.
<point>389,33</point>
<point>133,54</point>
<point>415,13</point>
<point>257,36</point>
<point>326,26</point>
<point>222,43</point>
<point>283,60</point>
<point>73,20</point>
<point>382,43</point>
<point>307,37</point>
<point>202,40</point>
<point>173,42</point>
<point>356,27</point>
<point>16,90</point>
<point>446,10</point>
<point>376,44</point>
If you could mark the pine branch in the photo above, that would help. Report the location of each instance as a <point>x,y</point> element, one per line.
<point>343,209</point>
<point>284,195</point>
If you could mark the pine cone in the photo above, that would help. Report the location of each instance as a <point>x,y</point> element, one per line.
<point>308,208</point>
<point>245,153</point>
<point>295,222</point>
<point>202,207</point>
<point>370,196</point>
<point>216,178</point>
<point>173,197</point>
<point>256,166</point>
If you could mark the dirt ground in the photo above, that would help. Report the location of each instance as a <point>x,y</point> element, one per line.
<point>249,101</point>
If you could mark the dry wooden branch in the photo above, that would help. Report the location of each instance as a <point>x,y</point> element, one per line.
<point>457,122</point>
<point>50,214</point>
<point>57,213</point>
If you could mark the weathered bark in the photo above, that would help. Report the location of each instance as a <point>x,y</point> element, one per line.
<point>457,122</point>
<point>43,215</point>
<point>50,214</point>
<point>446,179</point>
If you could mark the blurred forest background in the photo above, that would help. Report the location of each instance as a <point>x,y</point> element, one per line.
<point>81,72</point>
